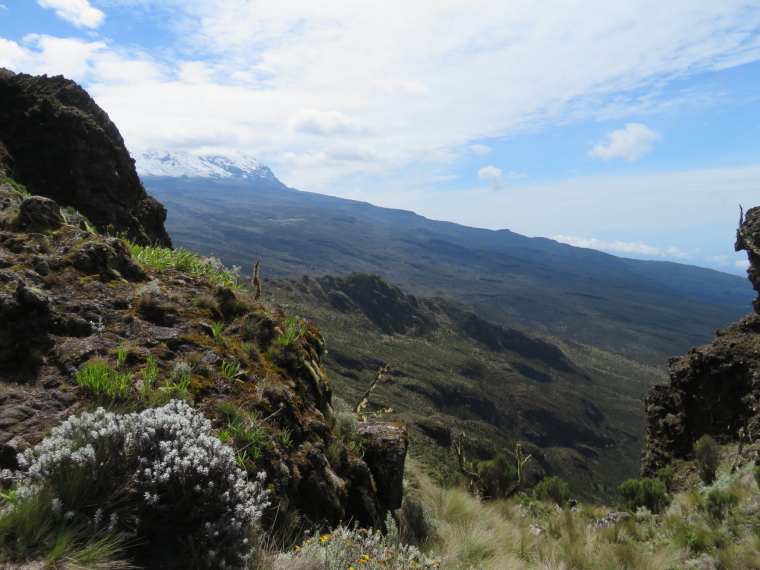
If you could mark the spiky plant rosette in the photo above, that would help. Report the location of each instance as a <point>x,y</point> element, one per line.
<point>158,476</point>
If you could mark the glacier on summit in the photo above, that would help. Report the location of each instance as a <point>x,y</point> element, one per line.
<point>181,164</point>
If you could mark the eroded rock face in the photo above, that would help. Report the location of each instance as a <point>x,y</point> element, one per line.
<point>384,446</point>
<point>748,239</point>
<point>60,144</point>
<point>69,296</point>
<point>714,389</point>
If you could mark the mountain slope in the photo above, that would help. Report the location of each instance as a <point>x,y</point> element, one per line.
<point>643,310</point>
<point>577,409</point>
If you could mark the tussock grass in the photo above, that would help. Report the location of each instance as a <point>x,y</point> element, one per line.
<point>164,258</point>
<point>102,380</point>
<point>524,533</point>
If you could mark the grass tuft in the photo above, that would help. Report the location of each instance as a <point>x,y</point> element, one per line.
<point>102,380</point>
<point>164,258</point>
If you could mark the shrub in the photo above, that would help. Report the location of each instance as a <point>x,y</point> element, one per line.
<point>707,456</point>
<point>666,475</point>
<point>414,523</point>
<point>647,493</point>
<point>206,302</point>
<point>553,489</point>
<point>360,548</point>
<point>719,502</point>
<point>158,476</point>
<point>498,477</point>
<point>346,423</point>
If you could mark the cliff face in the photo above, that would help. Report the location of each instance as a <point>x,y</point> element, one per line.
<point>714,389</point>
<point>55,140</point>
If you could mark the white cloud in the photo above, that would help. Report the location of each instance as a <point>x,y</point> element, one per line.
<point>44,54</point>
<point>630,143</point>
<point>394,84</point>
<point>10,54</point>
<point>3,7</point>
<point>494,175</point>
<point>721,259</point>
<point>481,149</point>
<point>76,12</point>
<point>742,263</point>
<point>517,175</point>
<point>622,247</point>
<point>404,74</point>
<point>334,154</point>
<point>325,123</point>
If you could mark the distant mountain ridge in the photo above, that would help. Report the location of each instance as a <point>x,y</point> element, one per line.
<point>181,164</point>
<point>646,310</point>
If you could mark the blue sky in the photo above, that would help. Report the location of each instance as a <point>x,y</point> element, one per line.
<point>632,127</point>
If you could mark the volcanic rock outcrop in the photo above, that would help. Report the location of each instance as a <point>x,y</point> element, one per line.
<point>714,389</point>
<point>59,143</point>
<point>68,297</point>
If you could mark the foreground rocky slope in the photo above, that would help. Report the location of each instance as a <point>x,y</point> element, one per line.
<point>715,389</point>
<point>56,141</point>
<point>69,297</point>
<point>577,409</point>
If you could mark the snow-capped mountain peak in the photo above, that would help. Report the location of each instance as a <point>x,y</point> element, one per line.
<point>180,164</point>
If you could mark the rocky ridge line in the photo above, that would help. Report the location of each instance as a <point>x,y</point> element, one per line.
<point>714,389</point>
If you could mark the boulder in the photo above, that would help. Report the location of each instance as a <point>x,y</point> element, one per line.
<point>41,211</point>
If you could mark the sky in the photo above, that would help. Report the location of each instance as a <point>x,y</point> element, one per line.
<point>628,126</point>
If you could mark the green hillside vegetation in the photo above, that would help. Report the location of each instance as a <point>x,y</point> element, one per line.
<point>647,311</point>
<point>576,408</point>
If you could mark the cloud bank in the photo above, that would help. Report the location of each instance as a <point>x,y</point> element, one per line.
<point>280,80</point>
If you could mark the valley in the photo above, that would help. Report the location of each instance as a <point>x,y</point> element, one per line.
<point>644,310</point>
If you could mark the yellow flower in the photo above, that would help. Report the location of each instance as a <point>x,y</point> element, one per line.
<point>366,557</point>
<point>307,540</point>
<point>298,548</point>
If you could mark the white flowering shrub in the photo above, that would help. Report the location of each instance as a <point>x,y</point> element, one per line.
<point>158,476</point>
<point>361,549</point>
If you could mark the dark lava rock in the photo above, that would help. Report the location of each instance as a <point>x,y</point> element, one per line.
<point>714,389</point>
<point>40,211</point>
<point>748,239</point>
<point>59,143</point>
